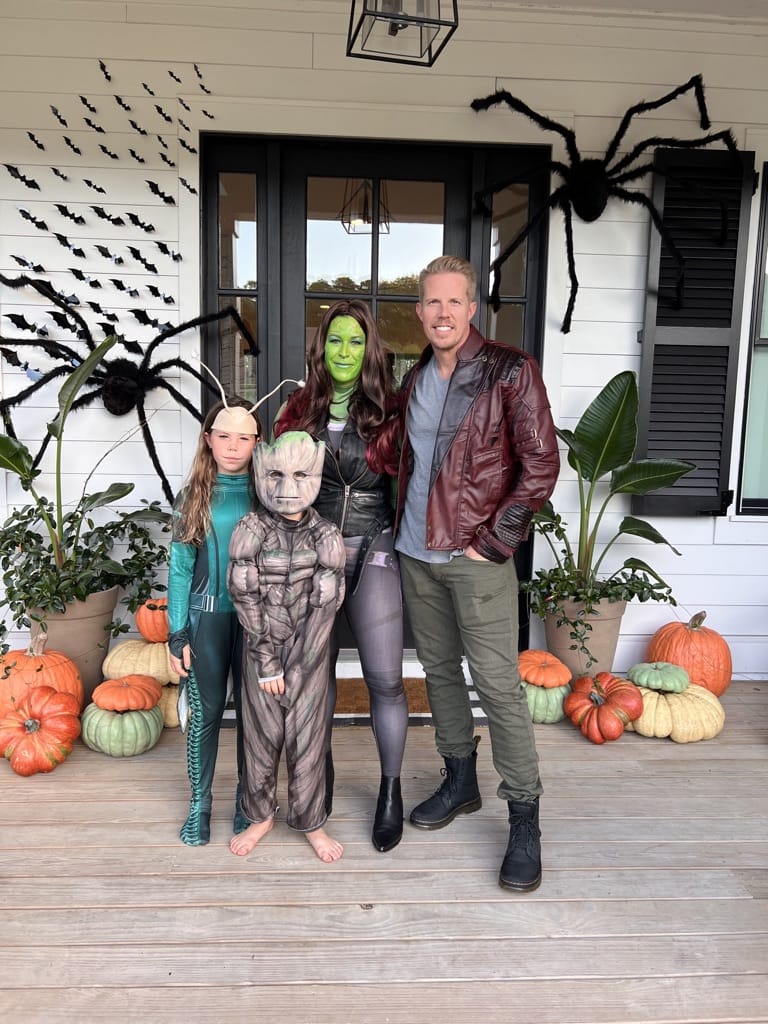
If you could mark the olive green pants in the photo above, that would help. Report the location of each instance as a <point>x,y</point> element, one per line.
<point>470,607</point>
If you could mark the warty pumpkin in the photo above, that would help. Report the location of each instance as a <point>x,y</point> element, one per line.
<point>21,670</point>
<point>693,714</point>
<point>152,620</point>
<point>139,657</point>
<point>38,733</point>
<point>129,693</point>
<point>603,705</point>
<point>546,703</point>
<point>121,733</point>
<point>701,651</point>
<point>659,675</point>
<point>542,669</point>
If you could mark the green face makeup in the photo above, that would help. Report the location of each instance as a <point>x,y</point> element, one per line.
<point>344,349</point>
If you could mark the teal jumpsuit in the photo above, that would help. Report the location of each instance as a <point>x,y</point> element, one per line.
<point>201,613</point>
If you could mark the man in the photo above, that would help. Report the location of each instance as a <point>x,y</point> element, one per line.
<point>479,457</point>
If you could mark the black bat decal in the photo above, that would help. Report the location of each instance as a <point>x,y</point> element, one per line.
<point>121,103</point>
<point>198,72</point>
<point>66,212</point>
<point>166,160</point>
<point>144,318</point>
<point>155,292</point>
<point>162,142</point>
<point>145,86</point>
<point>155,189</point>
<point>184,104</point>
<point>175,77</point>
<point>94,186</point>
<point>104,251</point>
<point>137,255</point>
<point>123,287</point>
<point>34,139</point>
<point>137,157</point>
<point>27,215</point>
<point>72,146</point>
<point>186,145</point>
<point>62,320</point>
<point>138,223</point>
<point>87,104</point>
<point>16,173</point>
<point>95,307</point>
<point>102,213</point>
<point>209,116</point>
<point>162,113</point>
<point>24,325</point>
<point>36,268</point>
<point>206,91</point>
<point>184,125</point>
<point>103,68</point>
<point>84,277</point>
<point>188,187</point>
<point>167,251</point>
<point>65,242</point>
<point>60,174</point>
<point>137,127</point>
<point>96,127</point>
<point>108,152</point>
<point>62,120</point>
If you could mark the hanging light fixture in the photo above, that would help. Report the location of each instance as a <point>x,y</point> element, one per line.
<point>403,31</point>
<point>356,215</point>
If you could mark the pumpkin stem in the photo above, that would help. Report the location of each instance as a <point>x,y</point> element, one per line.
<point>32,725</point>
<point>697,620</point>
<point>37,644</point>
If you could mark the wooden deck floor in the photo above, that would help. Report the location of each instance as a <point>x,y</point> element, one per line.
<point>654,905</point>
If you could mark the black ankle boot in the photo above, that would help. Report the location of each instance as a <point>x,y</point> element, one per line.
<point>521,868</point>
<point>330,778</point>
<point>388,822</point>
<point>458,793</point>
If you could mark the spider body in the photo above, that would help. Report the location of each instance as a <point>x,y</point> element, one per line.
<point>589,183</point>
<point>122,384</point>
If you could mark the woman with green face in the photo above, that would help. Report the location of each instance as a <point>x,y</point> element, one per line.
<point>347,402</point>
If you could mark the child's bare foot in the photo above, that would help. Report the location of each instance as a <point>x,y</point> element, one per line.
<point>244,842</point>
<point>327,849</point>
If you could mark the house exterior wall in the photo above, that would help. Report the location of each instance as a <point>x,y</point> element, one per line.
<point>265,66</point>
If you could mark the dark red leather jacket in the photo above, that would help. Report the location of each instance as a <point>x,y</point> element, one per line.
<point>496,459</point>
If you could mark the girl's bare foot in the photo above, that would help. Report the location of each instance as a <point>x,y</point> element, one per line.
<point>244,842</point>
<point>327,849</point>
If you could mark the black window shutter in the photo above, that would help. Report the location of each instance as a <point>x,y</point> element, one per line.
<point>687,376</point>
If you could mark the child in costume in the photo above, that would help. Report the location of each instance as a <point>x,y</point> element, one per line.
<point>286,579</point>
<point>206,638</point>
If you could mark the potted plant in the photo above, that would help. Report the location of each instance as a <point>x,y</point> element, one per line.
<point>574,596</point>
<point>54,558</point>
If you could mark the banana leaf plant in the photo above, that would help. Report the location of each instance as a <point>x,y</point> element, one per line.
<point>601,452</point>
<point>51,553</point>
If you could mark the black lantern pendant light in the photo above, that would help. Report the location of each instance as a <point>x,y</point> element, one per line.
<point>403,31</point>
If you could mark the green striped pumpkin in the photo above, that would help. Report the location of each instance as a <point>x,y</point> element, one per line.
<point>121,733</point>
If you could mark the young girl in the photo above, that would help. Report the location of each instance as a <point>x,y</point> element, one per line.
<point>206,638</point>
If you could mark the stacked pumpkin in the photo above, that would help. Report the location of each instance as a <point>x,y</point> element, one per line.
<point>546,682</point>
<point>149,656</point>
<point>124,718</point>
<point>41,694</point>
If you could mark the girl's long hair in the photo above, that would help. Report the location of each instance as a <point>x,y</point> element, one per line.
<point>373,398</point>
<point>193,506</point>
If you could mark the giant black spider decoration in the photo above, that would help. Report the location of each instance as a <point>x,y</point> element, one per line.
<point>121,383</point>
<point>588,184</point>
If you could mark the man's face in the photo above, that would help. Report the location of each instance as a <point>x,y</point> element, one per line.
<point>288,473</point>
<point>344,349</point>
<point>445,311</point>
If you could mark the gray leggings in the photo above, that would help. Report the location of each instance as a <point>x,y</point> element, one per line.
<point>375,616</point>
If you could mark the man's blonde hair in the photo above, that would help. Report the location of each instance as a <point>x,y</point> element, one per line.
<point>450,265</point>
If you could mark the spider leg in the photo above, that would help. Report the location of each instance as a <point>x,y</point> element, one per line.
<point>656,142</point>
<point>695,83</point>
<point>14,400</point>
<point>643,200</point>
<point>206,319</point>
<point>502,96</point>
<point>565,327</point>
<point>150,446</point>
<point>554,200</point>
<point>180,398</point>
<point>497,186</point>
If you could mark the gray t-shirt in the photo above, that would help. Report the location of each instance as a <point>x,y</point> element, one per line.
<point>424,411</point>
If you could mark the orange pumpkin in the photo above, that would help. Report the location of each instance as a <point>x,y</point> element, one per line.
<point>152,620</point>
<point>40,731</point>
<point>22,669</point>
<point>129,693</point>
<point>701,651</point>
<point>540,668</point>
<point>603,706</point>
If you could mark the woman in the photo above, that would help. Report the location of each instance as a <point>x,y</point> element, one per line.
<point>347,402</point>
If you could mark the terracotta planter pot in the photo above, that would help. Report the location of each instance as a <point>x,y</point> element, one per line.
<point>601,641</point>
<point>81,633</point>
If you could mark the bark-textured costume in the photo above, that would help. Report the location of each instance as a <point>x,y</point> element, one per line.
<point>286,579</point>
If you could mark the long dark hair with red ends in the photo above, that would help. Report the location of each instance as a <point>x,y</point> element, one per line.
<point>372,400</point>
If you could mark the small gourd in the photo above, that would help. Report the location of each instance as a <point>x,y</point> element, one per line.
<point>129,693</point>
<point>693,714</point>
<point>121,733</point>
<point>38,733</point>
<point>139,657</point>
<point>152,620</point>
<point>659,675</point>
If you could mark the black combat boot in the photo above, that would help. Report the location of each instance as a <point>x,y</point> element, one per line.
<point>388,822</point>
<point>521,867</point>
<point>330,778</point>
<point>458,793</point>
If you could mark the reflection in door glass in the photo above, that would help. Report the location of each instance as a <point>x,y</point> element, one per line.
<point>237,365</point>
<point>510,215</point>
<point>337,260</point>
<point>237,230</point>
<point>416,211</point>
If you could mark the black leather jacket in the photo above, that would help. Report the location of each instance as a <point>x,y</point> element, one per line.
<point>351,495</point>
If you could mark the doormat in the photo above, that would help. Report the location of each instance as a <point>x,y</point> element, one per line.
<point>352,697</point>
